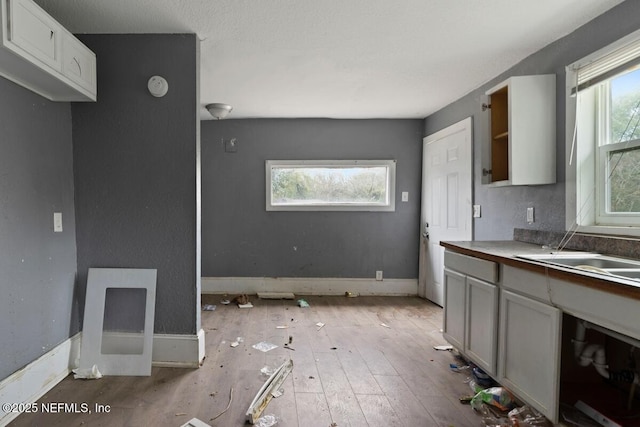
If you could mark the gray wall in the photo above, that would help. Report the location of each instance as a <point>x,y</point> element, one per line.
<point>135,160</point>
<point>504,208</point>
<point>37,266</point>
<point>241,239</point>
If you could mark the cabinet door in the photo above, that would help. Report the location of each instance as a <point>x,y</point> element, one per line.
<point>79,63</point>
<point>529,351</point>
<point>481,324</point>
<point>454,308</point>
<point>33,31</point>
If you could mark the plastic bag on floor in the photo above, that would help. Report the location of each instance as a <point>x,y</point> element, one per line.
<point>266,421</point>
<point>527,417</point>
<point>499,397</point>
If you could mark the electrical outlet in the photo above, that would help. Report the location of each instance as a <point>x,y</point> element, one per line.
<point>57,222</point>
<point>530,219</point>
<point>405,196</point>
<point>476,211</point>
<point>379,275</point>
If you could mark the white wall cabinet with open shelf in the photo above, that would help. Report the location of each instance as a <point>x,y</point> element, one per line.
<point>39,54</point>
<point>522,136</point>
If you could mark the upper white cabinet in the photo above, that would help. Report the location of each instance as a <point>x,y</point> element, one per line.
<point>522,134</point>
<point>42,56</point>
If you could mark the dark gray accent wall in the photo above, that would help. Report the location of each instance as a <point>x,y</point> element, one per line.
<point>241,239</point>
<point>135,160</point>
<point>504,208</point>
<point>37,266</point>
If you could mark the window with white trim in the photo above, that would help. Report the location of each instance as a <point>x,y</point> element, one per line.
<point>330,185</point>
<point>603,131</point>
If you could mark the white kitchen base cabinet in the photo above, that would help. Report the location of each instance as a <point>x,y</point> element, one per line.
<point>481,335</point>
<point>471,308</point>
<point>529,351</point>
<point>454,308</point>
<point>39,54</point>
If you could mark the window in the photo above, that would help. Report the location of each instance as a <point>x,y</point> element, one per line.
<point>603,128</point>
<point>330,185</point>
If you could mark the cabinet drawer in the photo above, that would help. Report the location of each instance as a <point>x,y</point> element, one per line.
<point>34,32</point>
<point>79,63</point>
<point>471,266</point>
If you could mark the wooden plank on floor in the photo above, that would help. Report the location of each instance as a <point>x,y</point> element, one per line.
<point>312,410</point>
<point>378,411</point>
<point>403,401</point>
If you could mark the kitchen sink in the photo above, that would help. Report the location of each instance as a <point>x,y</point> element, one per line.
<point>593,262</point>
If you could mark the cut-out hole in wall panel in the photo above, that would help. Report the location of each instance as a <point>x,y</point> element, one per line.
<point>123,321</point>
<point>117,333</point>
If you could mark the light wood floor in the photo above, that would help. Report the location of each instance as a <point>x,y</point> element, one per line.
<point>351,372</point>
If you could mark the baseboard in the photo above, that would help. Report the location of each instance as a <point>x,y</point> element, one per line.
<point>309,286</point>
<point>34,380</point>
<point>178,351</point>
<point>38,377</point>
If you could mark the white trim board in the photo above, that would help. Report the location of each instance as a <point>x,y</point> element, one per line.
<point>178,351</point>
<point>30,383</point>
<point>309,286</point>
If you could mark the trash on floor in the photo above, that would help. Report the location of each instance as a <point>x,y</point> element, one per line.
<point>264,395</point>
<point>237,342</point>
<point>194,422</point>
<point>267,421</point>
<point>264,346</point>
<point>443,347</point>
<point>277,393</point>
<point>268,371</point>
<point>225,302</point>
<point>351,294</point>
<point>385,325</point>
<point>286,347</point>
<point>228,406</point>
<point>276,295</point>
<point>320,325</point>
<point>208,307</point>
<point>243,301</point>
<point>302,303</point>
<point>459,368</point>
<point>282,327</point>
<point>91,373</point>
<point>526,416</point>
<point>499,397</point>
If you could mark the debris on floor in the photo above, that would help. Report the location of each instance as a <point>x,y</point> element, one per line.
<point>87,373</point>
<point>351,294</point>
<point>194,422</point>
<point>237,342</point>
<point>228,405</point>
<point>319,325</point>
<point>276,295</point>
<point>499,397</point>
<point>267,421</point>
<point>443,347</point>
<point>243,301</point>
<point>225,302</point>
<point>302,303</point>
<point>264,395</point>
<point>264,346</point>
<point>282,327</point>
<point>208,307</point>
<point>385,325</point>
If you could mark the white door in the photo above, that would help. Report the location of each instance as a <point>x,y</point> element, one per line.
<point>446,201</point>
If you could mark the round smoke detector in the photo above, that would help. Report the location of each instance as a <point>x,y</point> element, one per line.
<point>158,86</point>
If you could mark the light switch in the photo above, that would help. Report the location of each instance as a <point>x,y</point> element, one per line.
<point>405,196</point>
<point>57,222</point>
<point>476,211</point>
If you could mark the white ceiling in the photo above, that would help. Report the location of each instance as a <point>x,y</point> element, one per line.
<point>341,58</point>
